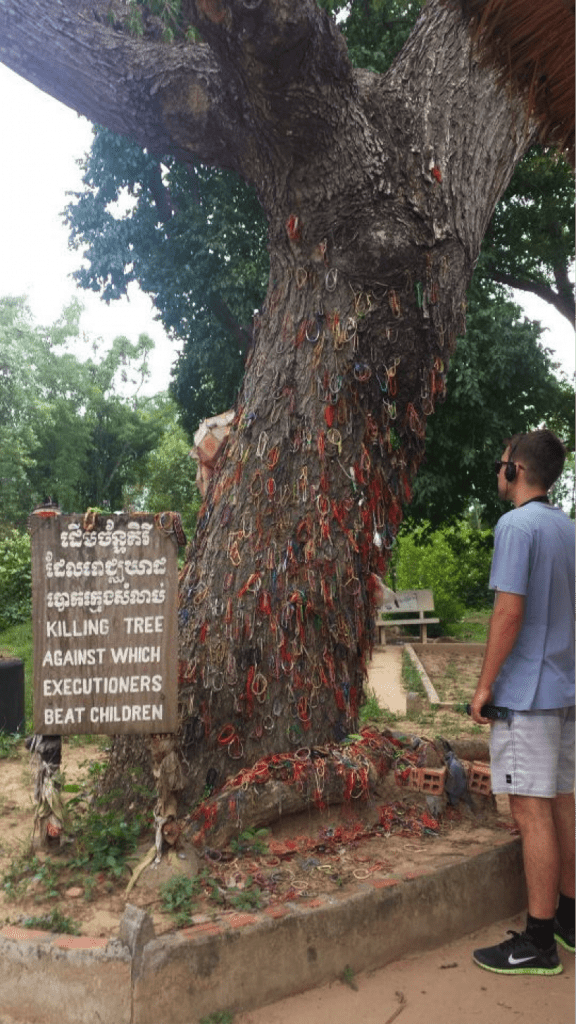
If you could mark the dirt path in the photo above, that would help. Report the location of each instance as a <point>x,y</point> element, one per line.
<point>440,987</point>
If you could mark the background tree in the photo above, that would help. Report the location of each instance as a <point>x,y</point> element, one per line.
<point>530,243</point>
<point>501,381</point>
<point>66,430</point>
<point>377,190</point>
<point>194,239</point>
<point>166,476</point>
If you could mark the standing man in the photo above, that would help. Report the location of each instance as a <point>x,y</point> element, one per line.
<point>528,668</point>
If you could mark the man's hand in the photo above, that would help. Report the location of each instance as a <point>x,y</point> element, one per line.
<point>505,624</point>
<point>482,696</point>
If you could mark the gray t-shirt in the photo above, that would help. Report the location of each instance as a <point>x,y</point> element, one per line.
<point>534,556</point>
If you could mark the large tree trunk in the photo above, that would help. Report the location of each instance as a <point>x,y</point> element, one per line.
<point>377,201</point>
<point>378,191</point>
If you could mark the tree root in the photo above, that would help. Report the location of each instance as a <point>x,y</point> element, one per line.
<point>283,784</point>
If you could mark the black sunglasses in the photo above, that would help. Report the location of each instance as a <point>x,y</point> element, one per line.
<point>505,462</point>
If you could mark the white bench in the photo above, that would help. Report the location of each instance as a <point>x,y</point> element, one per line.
<point>413,603</point>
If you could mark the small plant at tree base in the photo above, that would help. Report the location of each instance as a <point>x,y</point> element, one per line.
<point>55,921</point>
<point>245,899</point>
<point>372,712</point>
<point>27,869</point>
<point>177,895</point>
<point>9,744</point>
<point>347,977</point>
<point>251,841</point>
<point>17,878</point>
<point>104,840</point>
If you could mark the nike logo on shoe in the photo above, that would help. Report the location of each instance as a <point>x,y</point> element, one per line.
<point>513,960</point>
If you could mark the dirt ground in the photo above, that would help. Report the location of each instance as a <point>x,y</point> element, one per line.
<point>454,674</point>
<point>304,855</point>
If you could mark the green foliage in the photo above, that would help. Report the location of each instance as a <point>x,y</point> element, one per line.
<point>26,869</point>
<point>65,431</point>
<point>474,627</point>
<point>376,30</point>
<point>453,563</point>
<point>15,579</point>
<point>531,232</point>
<point>501,381</point>
<point>55,921</point>
<point>411,679</point>
<point>220,1017</point>
<point>347,978</point>
<point>246,899</point>
<point>250,842</point>
<point>9,743</point>
<point>167,474</point>
<point>177,896</point>
<point>372,711</point>
<point>194,239</point>
<point>104,839</point>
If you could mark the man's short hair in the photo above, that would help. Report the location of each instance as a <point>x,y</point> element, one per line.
<point>541,453</point>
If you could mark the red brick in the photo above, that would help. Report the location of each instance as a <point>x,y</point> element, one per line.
<point>276,911</point>
<point>11,931</point>
<point>239,920</point>
<point>202,929</point>
<point>479,778</point>
<point>80,942</point>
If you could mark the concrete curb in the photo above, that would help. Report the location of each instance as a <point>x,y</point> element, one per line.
<point>426,681</point>
<point>250,960</point>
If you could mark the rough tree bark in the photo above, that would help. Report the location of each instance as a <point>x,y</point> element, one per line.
<point>378,191</point>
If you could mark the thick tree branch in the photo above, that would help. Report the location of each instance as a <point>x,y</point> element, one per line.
<point>283,54</point>
<point>169,99</point>
<point>562,301</point>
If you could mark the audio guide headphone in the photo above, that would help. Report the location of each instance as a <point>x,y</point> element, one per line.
<point>511,470</point>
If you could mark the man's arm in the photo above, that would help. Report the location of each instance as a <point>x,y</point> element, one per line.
<point>505,624</point>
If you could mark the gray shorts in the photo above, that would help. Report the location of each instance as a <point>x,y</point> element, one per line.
<point>532,753</point>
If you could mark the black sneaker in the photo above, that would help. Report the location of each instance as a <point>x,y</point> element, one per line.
<point>518,955</point>
<point>565,936</point>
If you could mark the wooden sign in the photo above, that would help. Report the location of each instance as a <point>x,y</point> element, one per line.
<point>104,605</point>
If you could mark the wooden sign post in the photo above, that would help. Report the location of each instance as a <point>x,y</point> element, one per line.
<point>104,605</point>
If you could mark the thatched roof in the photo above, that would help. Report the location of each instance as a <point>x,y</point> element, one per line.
<point>532,43</point>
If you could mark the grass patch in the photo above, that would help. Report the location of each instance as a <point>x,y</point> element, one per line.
<point>9,745</point>
<point>474,626</point>
<point>372,712</point>
<point>411,679</point>
<point>55,921</point>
